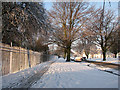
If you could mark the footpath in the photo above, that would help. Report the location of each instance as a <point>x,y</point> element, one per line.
<point>62,74</point>
<point>57,73</point>
<point>25,78</point>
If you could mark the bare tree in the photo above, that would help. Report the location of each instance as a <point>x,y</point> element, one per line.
<point>83,44</point>
<point>115,46</point>
<point>102,26</point>
<point>93,50</point>
<point>67,19</point>
<point>87,45</point>
<point>78,47</point>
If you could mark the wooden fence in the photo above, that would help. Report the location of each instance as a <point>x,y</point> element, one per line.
<point>15,59</point>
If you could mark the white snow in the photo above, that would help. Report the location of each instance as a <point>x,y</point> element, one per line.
<point>14,79</point>
<point>102,68</point>
<point>63,74</point>
<point>109,60</point>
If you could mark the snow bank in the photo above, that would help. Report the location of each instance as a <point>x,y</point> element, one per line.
<point>15,79</point>
<point>63,74</point>
<point>114,71</point>
<point>110,60</point>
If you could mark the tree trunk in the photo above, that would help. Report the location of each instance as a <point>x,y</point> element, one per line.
<point>87,56</point>
<point>115,55</point>
<point>104,55</point>
<point>65,53</point>
<point>68,54</point>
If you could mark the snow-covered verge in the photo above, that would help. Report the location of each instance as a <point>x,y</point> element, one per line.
<point>109,60</point>
<point>14,80</point>
<point>102,68</point>
<point>63,74</point>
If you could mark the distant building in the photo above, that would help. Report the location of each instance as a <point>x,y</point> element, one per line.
<point>94,53</point>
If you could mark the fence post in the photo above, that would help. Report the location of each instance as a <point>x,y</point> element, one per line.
<point>28,53</point>
<point>11,58</point>
<point>20,63</point>
<point>25,59</point>
<point>33,58</point>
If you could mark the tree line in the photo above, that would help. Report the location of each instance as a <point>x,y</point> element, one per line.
<point>30,25</point>
<point>25,24</point>
<point>73,21</point>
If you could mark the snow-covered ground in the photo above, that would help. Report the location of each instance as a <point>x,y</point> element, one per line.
<point>15,80</point>
<point>63,74</point>
<point>110,60</point>
<point>102,68</point>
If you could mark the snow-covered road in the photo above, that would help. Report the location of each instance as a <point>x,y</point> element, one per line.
<point>63,74</point>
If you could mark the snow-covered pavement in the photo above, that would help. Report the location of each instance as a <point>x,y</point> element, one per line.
<point>24,78</point>
<point>63,74</point>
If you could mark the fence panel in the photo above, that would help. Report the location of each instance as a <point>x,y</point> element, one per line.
<point>15,59</point>
<point>5,62</point>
